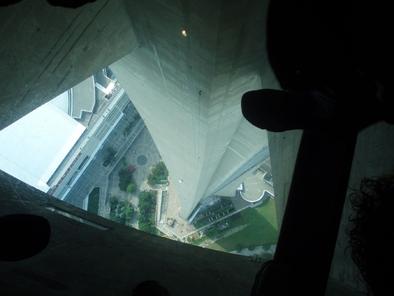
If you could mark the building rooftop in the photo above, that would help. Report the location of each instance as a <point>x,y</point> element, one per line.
<point>254,187</point>
<point>83,98</point>
<point>34,146</point>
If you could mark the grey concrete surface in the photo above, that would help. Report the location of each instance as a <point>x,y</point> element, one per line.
<point>83,98</point>
<point>373,157</point>
<point>188,89</point>
<point>82,259</point>
<point>255,187</point>
<point>283,153</point>
<point>46,50</point>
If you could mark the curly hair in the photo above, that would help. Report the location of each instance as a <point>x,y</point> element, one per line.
<point>372,231</point>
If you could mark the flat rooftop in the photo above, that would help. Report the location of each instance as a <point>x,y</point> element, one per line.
<point>34,146</point>
<point>83,98</point>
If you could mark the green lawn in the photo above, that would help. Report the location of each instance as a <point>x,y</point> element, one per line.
<point>94,201</point>
<point>262,229</point>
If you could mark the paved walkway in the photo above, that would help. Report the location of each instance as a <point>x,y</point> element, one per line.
<point>143,145</point>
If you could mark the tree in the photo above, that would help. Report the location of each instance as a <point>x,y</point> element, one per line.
<point>131,188</point>
<point>147,207</point>
<point>158,175</point>
<point>126,212</point>
<point>125,178</point>
<point>121,211</point>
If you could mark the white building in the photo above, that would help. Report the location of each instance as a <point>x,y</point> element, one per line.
<point>33,147</point>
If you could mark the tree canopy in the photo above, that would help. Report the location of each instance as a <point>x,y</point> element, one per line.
<point>125,179</point>
<point>147,208</point>
<point>158,175</point>
<point>121,211</point>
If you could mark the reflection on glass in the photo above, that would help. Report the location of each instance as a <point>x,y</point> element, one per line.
<point>93,150</point>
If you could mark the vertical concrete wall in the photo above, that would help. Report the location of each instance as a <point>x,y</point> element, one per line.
<point>188,89</point>
<point>373,157</point>
<point>283,150</point>
<point>45,50</point>
<point>244,148</point>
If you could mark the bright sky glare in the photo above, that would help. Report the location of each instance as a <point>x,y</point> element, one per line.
<point>34,146</point>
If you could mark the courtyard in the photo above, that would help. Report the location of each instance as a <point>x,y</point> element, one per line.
<point>139,158</point>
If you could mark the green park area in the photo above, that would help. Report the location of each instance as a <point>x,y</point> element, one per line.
<point>126,179</point>
<point>259,227</point>
<point>121,211</point>
<point>147,208</point>
<point>158,175</point>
